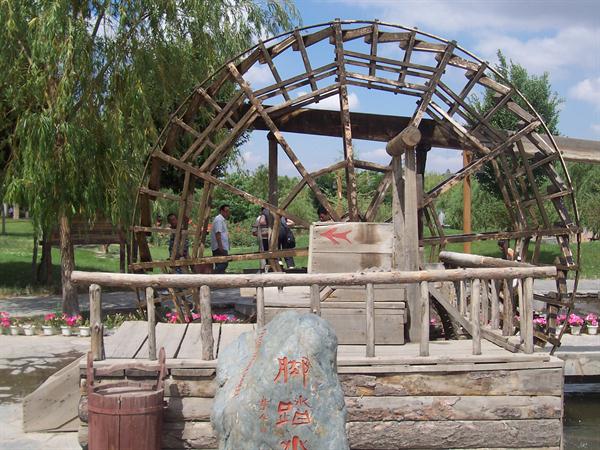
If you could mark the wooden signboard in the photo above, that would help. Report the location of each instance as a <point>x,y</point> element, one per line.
<point>336,247</point>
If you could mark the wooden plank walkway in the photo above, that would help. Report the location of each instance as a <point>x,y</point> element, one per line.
<point>183,347</point>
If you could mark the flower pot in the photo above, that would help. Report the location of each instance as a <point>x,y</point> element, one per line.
<point>48,330</point>
<point>575,330</point>
<point>29,330</point>
<point>66,330</point>
<point>84,331</point>
<point>592,329</point>
<point>559,329</point>
<point>15,330</point>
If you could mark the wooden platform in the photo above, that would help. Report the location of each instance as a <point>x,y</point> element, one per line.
<point>451,399</point>
<point>183,349</point>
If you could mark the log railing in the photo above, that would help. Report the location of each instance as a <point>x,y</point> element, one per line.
<point>470,322</point>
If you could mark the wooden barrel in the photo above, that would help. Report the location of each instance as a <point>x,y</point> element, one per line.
<point>125,415</point>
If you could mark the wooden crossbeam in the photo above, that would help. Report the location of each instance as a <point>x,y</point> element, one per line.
<point>407,55</point>
<point>305,59</point>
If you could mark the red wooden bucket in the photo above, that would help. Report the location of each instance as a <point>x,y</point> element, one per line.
<point>125,415</point>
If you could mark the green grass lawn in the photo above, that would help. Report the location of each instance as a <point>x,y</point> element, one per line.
<point>16,250</point>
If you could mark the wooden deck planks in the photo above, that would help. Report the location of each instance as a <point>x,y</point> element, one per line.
<point>169,336</point>
<point>231,331</point>
<point>127,341</point>
<point>191,346</point>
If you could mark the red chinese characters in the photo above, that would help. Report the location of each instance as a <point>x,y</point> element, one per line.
<point>290,412</point>
<point>291,368</point>
<point>293,444</point>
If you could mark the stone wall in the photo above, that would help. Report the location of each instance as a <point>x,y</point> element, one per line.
<point>418,408</point>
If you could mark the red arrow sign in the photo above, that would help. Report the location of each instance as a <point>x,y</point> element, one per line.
<point>332,235</point>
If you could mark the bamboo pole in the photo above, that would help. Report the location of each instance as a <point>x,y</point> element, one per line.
<point>97,339</point>
<point>260,307</point>
<point>288,279</point>
<point>315,299</point>
<point>151,313</point>
<point>424,314</point>
<point>476,329</point>
<point>206,333</point>
<point>370,312</point>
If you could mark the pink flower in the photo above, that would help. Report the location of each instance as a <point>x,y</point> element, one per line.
<point>591,319</point>
<point>575,320</point>
<point>49,317</point>
<point>561,318</point>
<point>195,316</point>
<point>433,322</point>
<point>540,321</point>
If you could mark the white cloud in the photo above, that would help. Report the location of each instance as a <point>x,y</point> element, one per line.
<point>259,75</point>
<point>587,90</point>
<point>333,103</point>
<point>555,54</point>
<point>377,155</point>
<point>477,15</point>
<point>441,160</point>
<point>595,128</point>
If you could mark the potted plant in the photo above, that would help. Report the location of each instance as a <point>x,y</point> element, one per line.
<point>11,324</point>
<point>52,322</point>
<point>540,323</point>
<point>575,322</point>
<point>29,328</point>
<point>591,321</point>
<point>5,322</point>
<point>68,323</point>
<point>84,328</point>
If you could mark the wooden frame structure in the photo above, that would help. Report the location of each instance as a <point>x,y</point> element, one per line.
<point>435,72</point>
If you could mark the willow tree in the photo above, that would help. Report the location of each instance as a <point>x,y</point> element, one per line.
<point>90,84</point>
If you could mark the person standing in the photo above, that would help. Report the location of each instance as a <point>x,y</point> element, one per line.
<point>219,237</point>
<point>287,240</point>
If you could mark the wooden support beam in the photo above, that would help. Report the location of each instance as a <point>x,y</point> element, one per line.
<point>97,328</point>
<point>424,315</point>
<point>206,328</point>
<point>315,299</point>
<point>475,306</point>
<point>151,315</point>
<point>351,189</point>
<point>370,320</point>
<point>273,171</point>
<point>260,307</point>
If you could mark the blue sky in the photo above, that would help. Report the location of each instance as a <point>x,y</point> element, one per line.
<point>558,37</point>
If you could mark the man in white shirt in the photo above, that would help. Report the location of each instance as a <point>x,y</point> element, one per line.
<point>219,237</point>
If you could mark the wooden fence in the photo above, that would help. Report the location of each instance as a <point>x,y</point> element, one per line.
<point>471,321</point>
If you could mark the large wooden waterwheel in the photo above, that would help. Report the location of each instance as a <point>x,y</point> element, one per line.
<point>403,66</point>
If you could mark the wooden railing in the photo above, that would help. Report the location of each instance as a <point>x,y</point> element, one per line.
<point>470,322</point>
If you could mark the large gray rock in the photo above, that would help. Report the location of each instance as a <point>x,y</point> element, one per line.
<point>278,389</point>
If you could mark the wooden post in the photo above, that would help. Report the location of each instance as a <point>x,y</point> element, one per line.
<point>467,202</point>
<point>151,313</point>
<point>424,313</point>
<point>260,307</point>
<point>273,171</point>
<point>527,314</point>
<point>411,237</point>
<point>206,333</point>
<point>370,312</point>
<point>462,298</point>
<point>495,319</point>
<point>315,299</point>
<point>97,339</point>
<point>507,309</point>
<point>475,303</point>
<point>485,302</point>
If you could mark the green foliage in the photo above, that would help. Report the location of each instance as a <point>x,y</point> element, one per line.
<point>586,183</point>
<point>89,85</point>
<point>536,89</point>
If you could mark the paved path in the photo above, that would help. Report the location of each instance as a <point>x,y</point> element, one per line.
<point>25,362</point>
<point>111,301</point>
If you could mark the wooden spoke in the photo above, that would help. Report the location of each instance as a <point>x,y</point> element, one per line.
<point>284,145</point>
<point>305,59</point>
<point>274,71</point>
